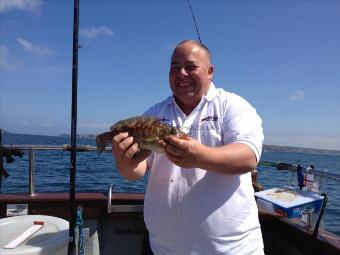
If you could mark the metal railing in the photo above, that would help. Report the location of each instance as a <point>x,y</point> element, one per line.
<point>294,167</point>
<point>31,157</point>
<point>88,148</point>
<point>121,207</point>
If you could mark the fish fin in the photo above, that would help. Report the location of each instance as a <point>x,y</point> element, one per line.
<point>142,154</point>
<point>102,141</point>
<point>151,139</point>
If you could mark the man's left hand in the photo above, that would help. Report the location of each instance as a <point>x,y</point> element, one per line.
<point>183,152</point>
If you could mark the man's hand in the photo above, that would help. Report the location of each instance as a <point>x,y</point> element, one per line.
<point>235,158</point>
<point>182,152</point>
<point>128,157</point>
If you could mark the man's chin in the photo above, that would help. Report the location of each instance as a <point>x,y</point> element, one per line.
<point>184,97</point>
<point>187,99</point>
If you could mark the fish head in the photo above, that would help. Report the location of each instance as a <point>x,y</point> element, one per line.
<point>178,133</point>
<point>175,131</point>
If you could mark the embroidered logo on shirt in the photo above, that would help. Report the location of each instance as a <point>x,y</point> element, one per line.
<point>210,118</point>
<point>164,120</point>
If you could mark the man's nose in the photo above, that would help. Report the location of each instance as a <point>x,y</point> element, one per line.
<point>183,72</point>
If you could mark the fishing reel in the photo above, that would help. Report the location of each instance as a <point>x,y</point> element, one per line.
<point>9,154</point>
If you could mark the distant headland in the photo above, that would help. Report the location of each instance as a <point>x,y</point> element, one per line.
<point>88,136</point>
<point>278,148</point>
<point>266,147</point>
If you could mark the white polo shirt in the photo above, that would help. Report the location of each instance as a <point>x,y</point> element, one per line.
<point>194,211</point>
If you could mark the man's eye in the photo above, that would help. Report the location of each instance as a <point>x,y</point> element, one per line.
<point>175,68</point>
<point>191,68</point>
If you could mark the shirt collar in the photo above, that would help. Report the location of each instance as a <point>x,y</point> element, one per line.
<point>212,92</point>
<point>169,100</point>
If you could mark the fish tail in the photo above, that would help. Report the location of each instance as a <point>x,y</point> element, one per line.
<point>102,141</point>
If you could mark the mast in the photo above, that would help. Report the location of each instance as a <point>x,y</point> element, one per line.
<point>73,159</point>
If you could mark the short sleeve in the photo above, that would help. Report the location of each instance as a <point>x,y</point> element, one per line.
<point>242,124</point>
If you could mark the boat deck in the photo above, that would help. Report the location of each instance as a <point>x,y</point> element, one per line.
<point>123,228</point>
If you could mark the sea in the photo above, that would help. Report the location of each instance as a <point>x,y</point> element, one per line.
<point>96,172</point>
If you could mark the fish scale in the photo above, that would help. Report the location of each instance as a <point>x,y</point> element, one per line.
<point>146,131</point>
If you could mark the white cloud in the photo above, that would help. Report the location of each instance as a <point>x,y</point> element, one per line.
<point>31,6</point>
<point>316,141</point>
<point>297,95</point>
<point>25,123</point>
<point>93,32</point>
<point>39,51</point>
<point>4,62</point>
<point>99,125</point>
<point>51,70</point>
<point>47,124</point>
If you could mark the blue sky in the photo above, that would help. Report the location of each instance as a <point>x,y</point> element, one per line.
<point>282,56</point>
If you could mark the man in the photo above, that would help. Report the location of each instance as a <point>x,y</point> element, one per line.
<point>199,198</point>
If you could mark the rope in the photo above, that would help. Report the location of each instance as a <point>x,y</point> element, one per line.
<point>79,226</point>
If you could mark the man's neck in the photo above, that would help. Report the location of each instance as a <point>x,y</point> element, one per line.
<point>186,109</point>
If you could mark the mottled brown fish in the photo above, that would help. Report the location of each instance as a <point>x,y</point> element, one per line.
<point>146,131</point>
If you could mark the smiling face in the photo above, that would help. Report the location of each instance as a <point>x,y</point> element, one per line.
<point>190,74</point>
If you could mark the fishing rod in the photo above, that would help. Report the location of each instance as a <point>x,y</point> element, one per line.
<point>294,168</point>
<point>193,17</point>
<point>73,212</point>
<point>1,159</point>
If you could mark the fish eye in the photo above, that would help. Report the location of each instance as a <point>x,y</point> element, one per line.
<point>173,131</point>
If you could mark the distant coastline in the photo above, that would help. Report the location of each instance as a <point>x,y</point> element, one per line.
<point>266,147</point>
<point>278,148</point>
<point>87,136</point>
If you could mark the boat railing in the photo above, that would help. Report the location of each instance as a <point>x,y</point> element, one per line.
<point>294,168</point>
<point>31,157</point>
<point>88,148</point>
<point>121,207</point>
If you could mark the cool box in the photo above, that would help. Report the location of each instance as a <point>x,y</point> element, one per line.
<point>289,202</point>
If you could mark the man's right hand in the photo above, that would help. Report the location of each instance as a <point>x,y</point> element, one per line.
<point>128,156</point>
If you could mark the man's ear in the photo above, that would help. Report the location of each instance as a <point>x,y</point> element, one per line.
<point>211,71</point>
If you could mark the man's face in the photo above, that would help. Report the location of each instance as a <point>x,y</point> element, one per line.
<point>190,75</point>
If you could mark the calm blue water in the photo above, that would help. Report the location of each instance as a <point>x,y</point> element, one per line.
<point>96,172</point>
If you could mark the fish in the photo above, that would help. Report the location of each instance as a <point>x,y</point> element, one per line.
<point>147,131</point>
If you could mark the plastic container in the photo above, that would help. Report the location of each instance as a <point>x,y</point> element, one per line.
<point>289,202</point>
<point>51,239</point>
